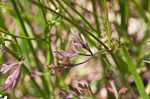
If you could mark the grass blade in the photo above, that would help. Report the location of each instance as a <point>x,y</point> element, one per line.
<point>108,26</point>
<point>136,76</point>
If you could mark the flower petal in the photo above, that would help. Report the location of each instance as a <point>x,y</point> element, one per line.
<point>6,68</point>
<point>12,79</point>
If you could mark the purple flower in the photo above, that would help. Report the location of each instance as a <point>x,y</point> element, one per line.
<point>75,47</point>
<point>7,68</point>
<point>81,41</point>
<point>14,74</point>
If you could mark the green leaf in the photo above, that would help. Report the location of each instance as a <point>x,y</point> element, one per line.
<point>136,76</point>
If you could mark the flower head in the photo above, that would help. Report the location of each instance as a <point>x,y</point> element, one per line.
<point>81,41</point>
<point>14,74</point>
<point>8,68</point>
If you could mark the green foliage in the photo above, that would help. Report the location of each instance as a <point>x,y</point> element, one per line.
<point>32,30</point>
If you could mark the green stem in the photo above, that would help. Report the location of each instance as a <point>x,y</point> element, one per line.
<point>25,32</point>
<point>37,61</point>
<point>21,37</point>
<point>41,92</point>
<point>96,17</point>
<point>73,23</point>
<point>108,26</point>
<point>78,13</point>
<point>60,4</point>
<point>49,57</point>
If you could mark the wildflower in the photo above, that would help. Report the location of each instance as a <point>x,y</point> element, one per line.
<point>14,74</point>
<point>83,87</point>
<point>114,90</point>
<point>81,41</point>
<point>75,47</point>
<point>7,68</point>
<point>123,90</point>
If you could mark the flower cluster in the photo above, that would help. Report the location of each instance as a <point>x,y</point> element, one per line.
<point>13,71</point>
<point>114,90</point>
<point>80,42</point>
<point>82,87</point>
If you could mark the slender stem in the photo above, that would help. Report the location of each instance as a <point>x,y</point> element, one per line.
<point>21,37</point>
<point>73,23</point>
<point>37,61</point>
<point>25,32</point>
<point>12,53</point>
<point>136,76</point>
<point>83,18</point>
<point>49,57</point>
<point>65,9</point>
<point>108,27</point>
<point>96,17</point>
<point>41,92</point>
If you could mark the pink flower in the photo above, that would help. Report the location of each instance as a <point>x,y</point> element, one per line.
<point>7,68</point>
<point>114,90</point>
<point>14,74</point>
<point>123,90</point>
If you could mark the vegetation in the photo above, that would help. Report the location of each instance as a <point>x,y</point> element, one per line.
<point>74,49</point>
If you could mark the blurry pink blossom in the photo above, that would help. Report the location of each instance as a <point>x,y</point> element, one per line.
<point>7,68</point>
<point>113,88</point>
<point>14,74</point>
<point>123,90</point>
